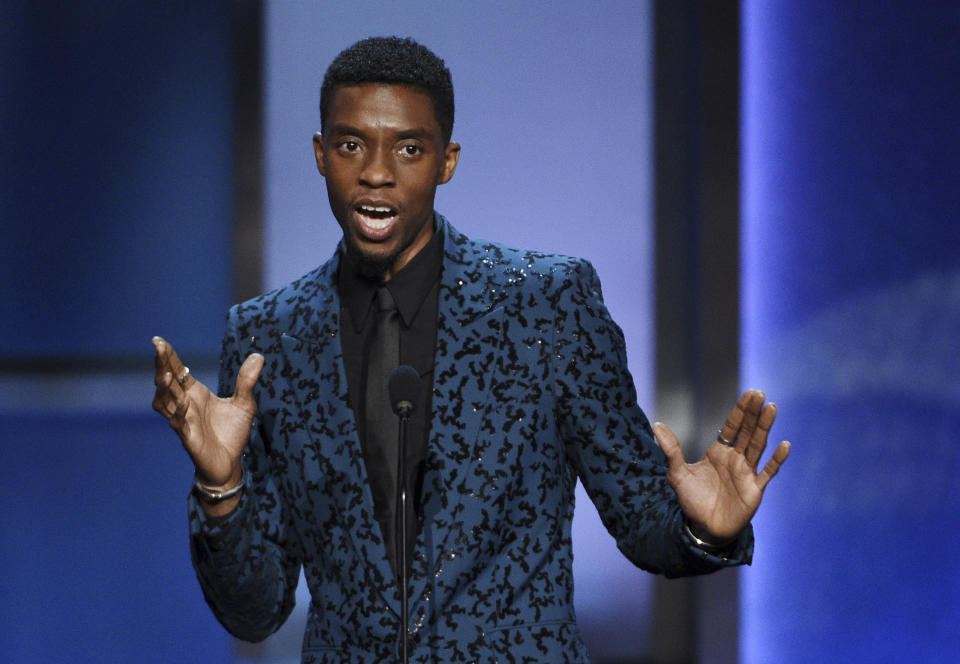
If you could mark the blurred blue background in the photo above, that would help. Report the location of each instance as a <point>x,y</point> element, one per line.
<point>117,205</point>
<point>850,304</point>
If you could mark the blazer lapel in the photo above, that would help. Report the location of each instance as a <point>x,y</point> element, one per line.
<point>332,463</point>
<point>469,343</point>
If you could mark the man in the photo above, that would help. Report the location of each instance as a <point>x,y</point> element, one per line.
<point>524,388</point>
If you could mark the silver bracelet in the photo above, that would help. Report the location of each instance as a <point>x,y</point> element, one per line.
<point>214,494</point>
<point>706,546</point>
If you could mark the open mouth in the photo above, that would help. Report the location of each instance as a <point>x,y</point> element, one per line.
<point>377,213</point>
<point>375,220</point>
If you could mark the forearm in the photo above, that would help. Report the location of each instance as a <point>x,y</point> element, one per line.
<point>610,443</point>
<point>244,561</point>
<point>247,575</point>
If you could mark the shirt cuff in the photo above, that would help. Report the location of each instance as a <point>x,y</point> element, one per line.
<point>737,551</point>
<point>217,532</point>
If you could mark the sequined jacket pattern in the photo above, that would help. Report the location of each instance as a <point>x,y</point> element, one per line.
<point>531,391</point>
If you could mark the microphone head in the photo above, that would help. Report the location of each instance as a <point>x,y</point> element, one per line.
<point>403,387</point>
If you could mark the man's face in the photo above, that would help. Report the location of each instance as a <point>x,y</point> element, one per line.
<point>383,155</point>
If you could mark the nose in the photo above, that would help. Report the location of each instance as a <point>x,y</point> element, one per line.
<point>377,169</point>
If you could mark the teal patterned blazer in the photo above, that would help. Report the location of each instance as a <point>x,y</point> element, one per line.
<point>531,392</point>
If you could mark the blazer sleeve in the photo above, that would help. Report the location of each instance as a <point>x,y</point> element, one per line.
<point>609,441</point>
<point>244,561</point>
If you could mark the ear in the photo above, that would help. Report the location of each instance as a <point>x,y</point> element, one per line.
<point>318,153</point>
<point>451,155</point>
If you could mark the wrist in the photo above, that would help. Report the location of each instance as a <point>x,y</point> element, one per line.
<point>701,538</point>
<point>210,495</point>
<point>216,481</point>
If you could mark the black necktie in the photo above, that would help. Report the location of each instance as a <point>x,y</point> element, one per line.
<point>382,427</point>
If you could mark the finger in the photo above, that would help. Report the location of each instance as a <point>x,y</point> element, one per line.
<point>169,393</point>
<point>168,360</point>
<point>773,465</point>
<point>161,364</point>
<point>758,441</point>
<point>669,444</point>
<point>178,421</point>
<point>246,379</point>
<point>162,399</point>
<point>732,424</point>
<point>751,413</point>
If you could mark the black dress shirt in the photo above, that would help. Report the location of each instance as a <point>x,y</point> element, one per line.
<point>415,290</point>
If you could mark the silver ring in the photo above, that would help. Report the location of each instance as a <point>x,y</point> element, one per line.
<point>724,441</point>
<point>186,374</point>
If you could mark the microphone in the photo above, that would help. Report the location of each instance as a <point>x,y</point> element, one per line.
<point>403,386</point>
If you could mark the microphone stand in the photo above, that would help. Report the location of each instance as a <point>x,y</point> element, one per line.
<point>402,539</point>
<point>403,385</point>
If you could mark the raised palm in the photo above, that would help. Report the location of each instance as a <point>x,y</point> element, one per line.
<point>721,492</point>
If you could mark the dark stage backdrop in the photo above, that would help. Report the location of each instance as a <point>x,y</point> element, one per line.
<point>116,176</point>
<point>115,205</point>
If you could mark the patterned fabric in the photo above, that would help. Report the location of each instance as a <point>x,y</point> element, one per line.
<point>531,391</point>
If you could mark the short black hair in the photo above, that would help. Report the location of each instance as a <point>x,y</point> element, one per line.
<point>397,61</point>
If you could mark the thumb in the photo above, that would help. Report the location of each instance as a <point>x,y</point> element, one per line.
<point>668,443</point>
<point>247,378</point>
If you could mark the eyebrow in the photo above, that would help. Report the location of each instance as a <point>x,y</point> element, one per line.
<point>414,132</point>
<point>418,132</point>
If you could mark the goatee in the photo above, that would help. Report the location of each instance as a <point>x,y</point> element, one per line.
<point>371,266</point>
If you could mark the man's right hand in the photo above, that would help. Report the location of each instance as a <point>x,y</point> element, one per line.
<point>214,431</point>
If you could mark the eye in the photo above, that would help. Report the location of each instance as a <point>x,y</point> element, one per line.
<point>349,146</point>
<point>410,150</point>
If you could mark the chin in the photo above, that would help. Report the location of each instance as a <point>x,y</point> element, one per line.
<point>372,265</point>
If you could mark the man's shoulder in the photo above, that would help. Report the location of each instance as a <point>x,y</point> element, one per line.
<point>512,264</point>
<point>310,292</point>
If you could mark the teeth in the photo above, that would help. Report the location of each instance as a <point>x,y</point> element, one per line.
<point>378,224</point>
<point>376,217</point>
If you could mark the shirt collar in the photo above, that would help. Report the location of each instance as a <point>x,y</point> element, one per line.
<point>409,287</point>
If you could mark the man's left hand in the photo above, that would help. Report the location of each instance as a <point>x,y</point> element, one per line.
<point>720,493</point>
